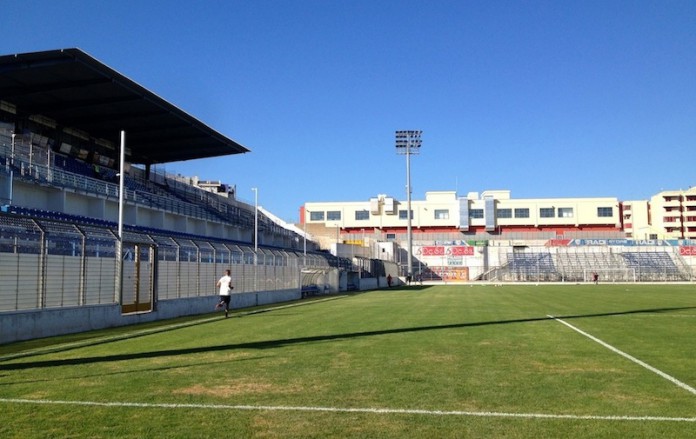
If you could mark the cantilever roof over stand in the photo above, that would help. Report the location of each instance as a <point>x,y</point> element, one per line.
<point>77,91</point>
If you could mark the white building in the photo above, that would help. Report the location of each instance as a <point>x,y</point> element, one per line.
<point>667,215</point>
<point>491,215</point>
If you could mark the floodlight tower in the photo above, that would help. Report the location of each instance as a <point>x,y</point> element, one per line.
<point>408,142</point>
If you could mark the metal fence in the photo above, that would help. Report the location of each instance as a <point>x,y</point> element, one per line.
<point>47,263</point>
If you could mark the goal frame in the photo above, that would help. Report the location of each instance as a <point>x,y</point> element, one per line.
<point>617,274</point>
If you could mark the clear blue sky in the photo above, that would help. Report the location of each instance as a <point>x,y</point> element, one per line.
<point>544,98</point>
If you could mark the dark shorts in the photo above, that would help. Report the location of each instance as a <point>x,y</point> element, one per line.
<point>225,299</point>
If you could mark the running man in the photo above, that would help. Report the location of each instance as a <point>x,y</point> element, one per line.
<point>225,286</point>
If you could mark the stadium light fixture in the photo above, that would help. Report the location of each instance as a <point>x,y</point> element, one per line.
<point>408,142</point>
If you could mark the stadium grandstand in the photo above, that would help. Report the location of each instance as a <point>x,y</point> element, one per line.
<point>493,237</point>
<point>88,240</point>
<point>94,233</point>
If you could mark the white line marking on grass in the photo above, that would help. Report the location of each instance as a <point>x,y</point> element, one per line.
<point>684,386</point>
<point>351,410</point>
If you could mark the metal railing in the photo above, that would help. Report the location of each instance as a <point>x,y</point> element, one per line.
<point>48,263</point>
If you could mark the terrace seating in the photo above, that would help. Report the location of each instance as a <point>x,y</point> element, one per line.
<point>650,262</point>
<point>75,166</point>
<point>161,194</point>
<point>574,265</point>
<point>530,262</point>
<point>58,216</point>
<point>528,267</point>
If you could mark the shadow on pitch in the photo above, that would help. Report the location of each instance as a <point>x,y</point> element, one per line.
<point>101,340</point>
<point>133,371</point>
<point>271,344</point>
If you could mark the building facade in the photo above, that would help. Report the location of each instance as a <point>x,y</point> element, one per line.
<point>488,215</point>
<point>494,214</point>
<point>673,213</point>
<point>464,237</point>
<point>667,215</point>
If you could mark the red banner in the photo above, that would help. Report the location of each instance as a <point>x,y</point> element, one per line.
<point>687,250</point>
<point>433,250</point>
<point>440,250</point>
<point>451,273</point>
<point>461,251</point>
<point>558,242</point>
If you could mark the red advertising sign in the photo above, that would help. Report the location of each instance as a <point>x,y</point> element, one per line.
<point>451,274</point>
<point>433,250</point>
<point>558,242</point>
<point>687,250</point>
<point>440,250</point>
<point>461,251</point>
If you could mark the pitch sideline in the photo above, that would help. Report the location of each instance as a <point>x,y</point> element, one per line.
<point>352,410</point>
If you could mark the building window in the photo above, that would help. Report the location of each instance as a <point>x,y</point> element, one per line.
<point>504,213</point>
<point>333,215</point>
<point>476,213</point>
<point>547,212</point>
<point>522,212</point>
<point>391,236</point>
<point>441,214</point>
<point>565,212</point>
<point>316,216</point>
<point>403,215</point>
<point>605,212</point>
<point>362,215</point>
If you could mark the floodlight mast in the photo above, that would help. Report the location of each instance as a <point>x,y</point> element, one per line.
<point>408,142</point>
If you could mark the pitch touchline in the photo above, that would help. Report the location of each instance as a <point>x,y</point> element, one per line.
<point>351,410</point>
<point>684,386</point>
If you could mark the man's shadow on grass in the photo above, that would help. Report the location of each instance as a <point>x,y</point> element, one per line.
<point>271,344</point>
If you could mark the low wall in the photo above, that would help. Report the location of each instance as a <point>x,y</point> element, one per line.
<point>27,325</point>
<point>370,283</point>
<point>247,300</point>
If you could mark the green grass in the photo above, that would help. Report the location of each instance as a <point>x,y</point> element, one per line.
<point>490,354</point>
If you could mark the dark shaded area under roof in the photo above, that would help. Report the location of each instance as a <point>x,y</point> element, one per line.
<point>77,91</point>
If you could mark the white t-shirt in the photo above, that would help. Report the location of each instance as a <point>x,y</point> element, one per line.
<point>225,283</point>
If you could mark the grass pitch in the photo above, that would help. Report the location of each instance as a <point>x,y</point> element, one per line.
<point>515,361</point>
